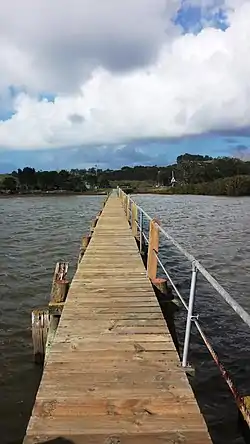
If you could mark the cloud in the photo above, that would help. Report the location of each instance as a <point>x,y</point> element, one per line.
<point>54,46</point>
<point>241,152</point>
<point>76,118</point>
<point>242,148</point>
<point>230,140</point>
<point>121,71</point>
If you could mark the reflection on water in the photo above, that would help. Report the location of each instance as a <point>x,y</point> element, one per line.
<point>37,232</point>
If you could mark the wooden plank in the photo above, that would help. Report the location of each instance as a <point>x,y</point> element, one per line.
<point>168,437</point>
<point>113,375</point>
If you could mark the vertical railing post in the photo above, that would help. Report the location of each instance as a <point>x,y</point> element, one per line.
<point>153,247</point>
<point>189,315</point>
<point>141,229</point>
<point>134,218</point>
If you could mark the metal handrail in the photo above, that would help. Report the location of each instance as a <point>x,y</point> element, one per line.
<point>223,293</point>
<point>196,267</point>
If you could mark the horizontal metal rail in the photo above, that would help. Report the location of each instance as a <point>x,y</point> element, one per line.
<point>223,293</point>
<point>196,267</point>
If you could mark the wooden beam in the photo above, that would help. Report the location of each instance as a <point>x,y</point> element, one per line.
<point>153,248</point>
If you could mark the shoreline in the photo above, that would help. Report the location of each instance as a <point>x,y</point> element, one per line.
<point>52,194</point>
<point>104,193</point>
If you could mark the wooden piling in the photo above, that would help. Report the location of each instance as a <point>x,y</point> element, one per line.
<point>153,248</point>
<point>53,324</point>
<point>161,288</point>
<point>40,324</point>
<point>60,284</point>
<point>60,272</point>
<point>59,290</point>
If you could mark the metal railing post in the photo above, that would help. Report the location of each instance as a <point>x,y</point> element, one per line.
<point>189,315</point>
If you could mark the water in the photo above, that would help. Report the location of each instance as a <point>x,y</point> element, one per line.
<point>216,231</point>
<point>37,232</point>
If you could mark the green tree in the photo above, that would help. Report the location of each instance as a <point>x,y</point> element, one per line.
<point>9,183</point>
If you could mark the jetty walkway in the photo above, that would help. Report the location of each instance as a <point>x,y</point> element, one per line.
<point>113,375</point>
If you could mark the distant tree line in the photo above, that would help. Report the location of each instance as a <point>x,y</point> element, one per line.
<point>29,180</point>
<point>229,186</point>
<point>195,174</point>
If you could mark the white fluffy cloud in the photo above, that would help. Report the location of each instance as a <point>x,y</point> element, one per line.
<point>121,71</point>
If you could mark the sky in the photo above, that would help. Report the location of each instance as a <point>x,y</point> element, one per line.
<point>122,82</point>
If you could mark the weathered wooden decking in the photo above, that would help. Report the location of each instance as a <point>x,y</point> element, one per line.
<point>113,375</point>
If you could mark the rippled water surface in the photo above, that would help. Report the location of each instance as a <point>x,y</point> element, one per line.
<point>37,232</point>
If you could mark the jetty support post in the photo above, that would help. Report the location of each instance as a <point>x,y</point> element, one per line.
<point>190,316</point>
<point>59,291</point>
<point>153,248</point>
<point>40,325</point>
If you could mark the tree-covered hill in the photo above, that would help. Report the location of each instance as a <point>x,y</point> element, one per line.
<point>193,174</point>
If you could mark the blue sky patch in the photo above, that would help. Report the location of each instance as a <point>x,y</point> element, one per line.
<point>151,152</point>
<point>194,18</point>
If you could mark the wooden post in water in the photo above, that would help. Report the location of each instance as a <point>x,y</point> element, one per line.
<point>53,324</point>
<point>60,284</point>
<point>134,219</point>
<point>153,248</point>
<point>40,324</point>
<point>59,290</point>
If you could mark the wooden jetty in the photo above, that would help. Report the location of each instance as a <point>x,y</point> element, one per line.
<point>112,374</point>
